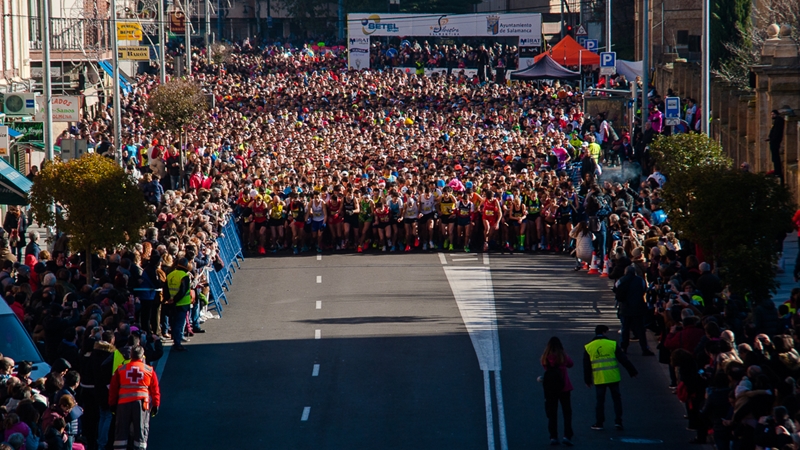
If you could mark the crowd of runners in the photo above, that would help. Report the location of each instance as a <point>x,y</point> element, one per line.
<point>308,156</point>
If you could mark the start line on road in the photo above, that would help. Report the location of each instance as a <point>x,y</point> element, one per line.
<point>474,294</point>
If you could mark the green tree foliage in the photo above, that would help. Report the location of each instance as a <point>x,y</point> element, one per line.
<point>728,18</point>
<point>678,153</point>
<point>735,217</point>
<point>176,104</point>
<point>102,206</point>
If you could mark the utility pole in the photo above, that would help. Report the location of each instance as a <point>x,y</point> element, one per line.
<point>219,18</point>
<point>705,105</point>
<point>208,29</point>
<point>645,59</point>
<point>562,18</point>
<point>608,25</point>
<point>188,38</point>
<point>162,70</point>
<point>47,86</point>
<point>341,18</point>
<point>115,75</point>
<point>269,19</point>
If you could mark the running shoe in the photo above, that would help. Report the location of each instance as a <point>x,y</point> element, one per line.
<point>261,250</point>
<point>305,249</point>
<point>597,426</point>
<point>358,250</point>
<point>416,242</point>
<point>486,246</point>
<point>446,243</point>
<point>430,245</point>
<point>319,249</point>
<point>393,248</point>
<point>383,249</point>
<point>425,247</point>
<point>466,249</point>
<point>450,247</point>
<point>522,248</point>
<point>338,247</point>
<point>408,248</point>
<point>296,251</point>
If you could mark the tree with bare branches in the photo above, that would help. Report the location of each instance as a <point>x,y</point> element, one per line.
<point>736,68</point>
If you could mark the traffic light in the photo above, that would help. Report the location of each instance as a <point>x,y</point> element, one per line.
<point>568,30</point>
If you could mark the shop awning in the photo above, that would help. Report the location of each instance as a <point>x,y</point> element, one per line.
<point>124,84</point>
<point>14,187</point>
<point>14,133</point>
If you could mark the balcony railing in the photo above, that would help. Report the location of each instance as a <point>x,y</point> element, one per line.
<point>73,34</point>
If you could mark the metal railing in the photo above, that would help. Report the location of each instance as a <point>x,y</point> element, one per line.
<point>73,34</point>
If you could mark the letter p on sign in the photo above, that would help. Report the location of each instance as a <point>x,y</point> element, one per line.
<point>608,63</point>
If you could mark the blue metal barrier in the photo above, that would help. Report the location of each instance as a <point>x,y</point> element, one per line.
<point>230,251</point>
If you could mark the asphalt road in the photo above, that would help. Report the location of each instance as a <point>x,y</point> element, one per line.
<point>400,351</point>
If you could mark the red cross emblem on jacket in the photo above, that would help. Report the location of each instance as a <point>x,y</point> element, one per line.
<point>132,382</point>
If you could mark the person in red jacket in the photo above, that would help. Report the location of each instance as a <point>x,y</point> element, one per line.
<point>135,395</point>
<point>686,335</point>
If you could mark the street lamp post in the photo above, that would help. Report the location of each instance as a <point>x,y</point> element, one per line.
<point>705,106</point>
<point>44,27</point>
<point>608,25</point>
<point>162,70</point>
<point>645,59</point>
<point>115,75</point>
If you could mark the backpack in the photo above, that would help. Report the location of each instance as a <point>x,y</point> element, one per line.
<point>552,381</point>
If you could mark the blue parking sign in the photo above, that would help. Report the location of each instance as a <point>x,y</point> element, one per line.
<point>608,63</point>
<point>673,108</point>
<point>591,45</point>
<point>608,59</point>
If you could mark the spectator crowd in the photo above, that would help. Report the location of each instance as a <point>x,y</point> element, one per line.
<point>306,155</point>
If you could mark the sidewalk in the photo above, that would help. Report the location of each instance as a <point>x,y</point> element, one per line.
<point>785,279</point>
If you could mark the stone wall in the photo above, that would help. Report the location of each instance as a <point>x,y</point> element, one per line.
<point>741,119</point>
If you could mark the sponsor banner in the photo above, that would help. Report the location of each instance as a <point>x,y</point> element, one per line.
<point>358,58</point>
<point>527,27</point>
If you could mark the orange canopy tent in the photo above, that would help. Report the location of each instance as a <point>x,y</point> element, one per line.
<point>569,53</point>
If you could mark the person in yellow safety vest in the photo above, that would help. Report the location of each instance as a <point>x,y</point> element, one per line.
<point>179,285</point>
<point>595,151</point>
<point>601,360</point>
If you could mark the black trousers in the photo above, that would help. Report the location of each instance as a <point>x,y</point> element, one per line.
<point>600,390</point>
<point>775,152</point>
<point>633,324</point>
<point>551,410</point>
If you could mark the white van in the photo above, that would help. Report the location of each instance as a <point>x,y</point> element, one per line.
<point>17,344</point>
